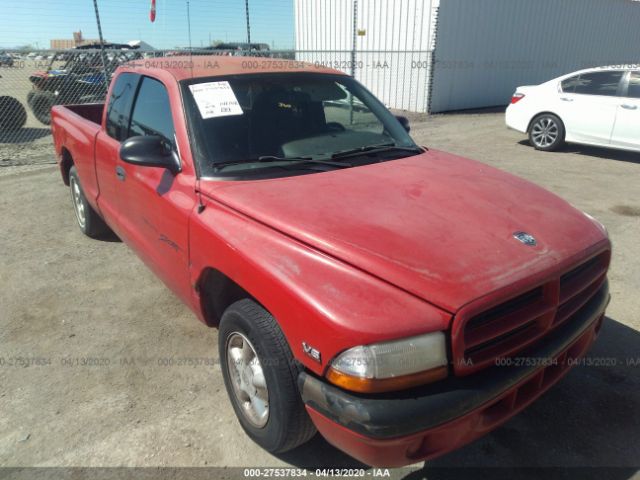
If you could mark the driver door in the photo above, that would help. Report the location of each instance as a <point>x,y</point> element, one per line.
<point>156,203</point>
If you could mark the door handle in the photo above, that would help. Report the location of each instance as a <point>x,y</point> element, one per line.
<point>120,173</point>
<point>629,107</point>
<point>565,99</point>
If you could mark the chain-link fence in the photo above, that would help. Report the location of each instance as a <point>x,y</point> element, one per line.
<point>32,82</point>
<point>387,46</point>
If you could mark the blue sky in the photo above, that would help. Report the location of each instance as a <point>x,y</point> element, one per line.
<point>35,22</point>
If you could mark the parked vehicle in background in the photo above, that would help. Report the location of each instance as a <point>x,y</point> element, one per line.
<point>356,290</point>
<point>245,47</point>
<point>597,106</point>
<point>13,116</point>
<point>6,60</point>
<point>80,80</point>
<point>228,49</point>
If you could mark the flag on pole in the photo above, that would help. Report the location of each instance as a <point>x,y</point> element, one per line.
<point>152,13</point>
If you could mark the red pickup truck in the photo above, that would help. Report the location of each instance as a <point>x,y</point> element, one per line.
<point>400,300</point>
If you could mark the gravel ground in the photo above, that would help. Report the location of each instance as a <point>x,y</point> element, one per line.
<point>68,300</point>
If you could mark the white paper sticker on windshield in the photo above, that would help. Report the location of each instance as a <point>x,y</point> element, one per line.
<point>215,99</point>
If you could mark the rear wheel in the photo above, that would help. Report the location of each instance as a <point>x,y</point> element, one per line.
<point>88,220</point>
<point>261,378</point>
<point>546,132</point>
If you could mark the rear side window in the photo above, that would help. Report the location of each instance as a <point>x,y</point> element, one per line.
<point>152,112</point>
<point>599,83</point>
<point>634,85</point>
<point>119,107</point>
<point>569,85</point>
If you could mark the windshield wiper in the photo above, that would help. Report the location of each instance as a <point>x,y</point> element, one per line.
<point>384,147</point>
<point>275,159</point>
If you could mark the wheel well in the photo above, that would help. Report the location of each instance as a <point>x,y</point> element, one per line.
<point>65,165</point>
<point>217,292</point>
<point>543,113</point>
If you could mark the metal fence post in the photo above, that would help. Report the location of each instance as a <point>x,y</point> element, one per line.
<point>102,54</point>
<point>353,54</point>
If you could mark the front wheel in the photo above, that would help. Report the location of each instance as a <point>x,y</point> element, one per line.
<point>260,376</point>
<point>546,132</point>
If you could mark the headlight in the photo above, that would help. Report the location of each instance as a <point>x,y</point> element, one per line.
<point>388,366</point>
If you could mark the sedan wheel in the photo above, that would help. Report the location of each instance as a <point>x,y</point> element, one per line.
<point>546,132</point>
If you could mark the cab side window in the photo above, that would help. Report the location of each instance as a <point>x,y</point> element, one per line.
<point>152,111</point>
<point>119,105</point>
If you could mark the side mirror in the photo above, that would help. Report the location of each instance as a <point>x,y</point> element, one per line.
<point>150,151</point>
<point>404,121</point>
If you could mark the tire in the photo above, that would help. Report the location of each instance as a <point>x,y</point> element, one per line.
<point>41,103</point>
<point>247,327</point>
<point>13,116</point>
<point>88,219</point>
<point>546,132</point>
<point>30,96</point>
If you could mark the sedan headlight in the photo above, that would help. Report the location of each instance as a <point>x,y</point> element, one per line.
<point>388,366</point>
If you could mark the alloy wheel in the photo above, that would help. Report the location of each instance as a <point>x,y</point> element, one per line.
<point>78,203</point>
<point>545,132</point>
<point>247,376</point>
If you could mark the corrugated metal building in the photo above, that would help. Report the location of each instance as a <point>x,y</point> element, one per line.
<point>389,50</point>
<point>441,55</point>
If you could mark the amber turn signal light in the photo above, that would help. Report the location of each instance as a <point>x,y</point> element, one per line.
<point>390,384</point>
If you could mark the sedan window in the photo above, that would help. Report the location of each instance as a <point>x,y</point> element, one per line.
<point>569,85</point>
<point>599,83</point>
<point>634,85</point>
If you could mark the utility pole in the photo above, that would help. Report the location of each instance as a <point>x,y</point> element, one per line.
<point>246,7</point>
<point>102,55</point>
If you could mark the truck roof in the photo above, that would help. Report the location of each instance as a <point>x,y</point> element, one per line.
<point>201,66</point>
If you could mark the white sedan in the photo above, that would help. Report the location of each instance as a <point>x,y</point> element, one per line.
<point>599,106</point>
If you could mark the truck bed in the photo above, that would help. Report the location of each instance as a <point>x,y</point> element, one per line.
<point>74,129</point>
<point>88,111</point>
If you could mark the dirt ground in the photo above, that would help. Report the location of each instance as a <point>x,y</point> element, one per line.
<point>31,144</point>
<point>104,340</point>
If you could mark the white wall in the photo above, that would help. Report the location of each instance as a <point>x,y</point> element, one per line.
<point>392,57</point>
<point>486,48</point>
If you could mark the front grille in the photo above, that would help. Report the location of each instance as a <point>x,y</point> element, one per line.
<point>505,329</point>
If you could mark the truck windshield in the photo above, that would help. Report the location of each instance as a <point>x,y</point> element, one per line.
<point>298,122</point>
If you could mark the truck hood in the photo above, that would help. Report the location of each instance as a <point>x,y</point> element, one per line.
<point>436,225</point>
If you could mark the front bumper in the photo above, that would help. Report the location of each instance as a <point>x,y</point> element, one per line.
<point>406,427</point>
